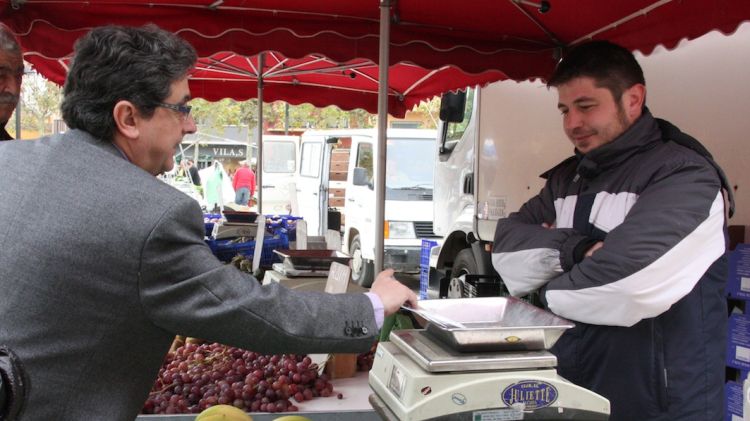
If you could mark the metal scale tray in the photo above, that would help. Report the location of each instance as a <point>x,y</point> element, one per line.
<point>434,356</point>
<point>493,324</point>
<point>491,333</point>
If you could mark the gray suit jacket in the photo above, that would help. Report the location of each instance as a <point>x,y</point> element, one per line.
<point>101,264</point>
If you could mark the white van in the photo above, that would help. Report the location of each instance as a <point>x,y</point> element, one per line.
<point>279,169</point>
<point>489,164</point>
<point>335,190</point>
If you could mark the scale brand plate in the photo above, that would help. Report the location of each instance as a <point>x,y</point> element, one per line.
<point>495,324</point>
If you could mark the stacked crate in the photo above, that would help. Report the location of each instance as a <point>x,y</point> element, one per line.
<point>424,267</point>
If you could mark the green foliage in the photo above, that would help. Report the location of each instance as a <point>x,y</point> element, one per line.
<point>40,102</point>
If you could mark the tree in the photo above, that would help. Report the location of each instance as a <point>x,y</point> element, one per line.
<point>41,101</point>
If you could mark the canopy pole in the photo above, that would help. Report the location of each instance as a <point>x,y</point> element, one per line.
<point>385,29</point>
<point>259,137</point>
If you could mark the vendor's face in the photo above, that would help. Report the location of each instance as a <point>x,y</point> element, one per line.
<point>163,133</point>
<point>591,116</point>
<point>11,73</point>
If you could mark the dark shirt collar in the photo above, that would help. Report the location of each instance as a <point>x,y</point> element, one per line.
<point>4,135</point>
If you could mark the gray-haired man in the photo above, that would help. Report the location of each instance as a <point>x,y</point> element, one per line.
<point>11,72</point>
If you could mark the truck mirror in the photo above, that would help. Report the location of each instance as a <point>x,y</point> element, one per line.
<point>452,106</point>
<point>359,177</point>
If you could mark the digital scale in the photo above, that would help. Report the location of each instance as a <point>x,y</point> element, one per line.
<point>422,374</point>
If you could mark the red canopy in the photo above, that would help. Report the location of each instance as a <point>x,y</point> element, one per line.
<point>313,78</point>
<point>512,36</point>
<point>508,38</point>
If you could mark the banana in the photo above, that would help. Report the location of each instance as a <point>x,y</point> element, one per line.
<point>223,413</point>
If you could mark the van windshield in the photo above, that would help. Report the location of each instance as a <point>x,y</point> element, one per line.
<point>279,157</point>
<point>410,164</point>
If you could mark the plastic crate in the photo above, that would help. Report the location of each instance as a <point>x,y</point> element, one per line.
<point>424,282</point>
<point>225,250</point>
<point>209,227</point>
<point>283,225</point>
<point>424,255</point>
<point>209,222</point>
<point>483,286</point>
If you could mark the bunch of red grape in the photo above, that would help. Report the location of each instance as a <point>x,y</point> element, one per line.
<point>195,377</point>
<point>364,360</point>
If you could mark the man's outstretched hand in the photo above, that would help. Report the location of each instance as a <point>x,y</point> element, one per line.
<point>392,293</point>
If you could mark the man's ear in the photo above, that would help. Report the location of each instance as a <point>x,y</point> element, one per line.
<point>633,99</point>
<point>125,115</point>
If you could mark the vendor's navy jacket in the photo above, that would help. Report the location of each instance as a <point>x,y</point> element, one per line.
<point>649,306</point>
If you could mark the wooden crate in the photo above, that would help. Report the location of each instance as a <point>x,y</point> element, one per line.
<point>339,166</point>
<point>336,202</point>
<point>338,176</point>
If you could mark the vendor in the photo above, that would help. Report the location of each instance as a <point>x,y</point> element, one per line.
<point>627,239</point>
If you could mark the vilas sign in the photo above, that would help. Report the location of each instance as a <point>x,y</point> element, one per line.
<point>238,151</point>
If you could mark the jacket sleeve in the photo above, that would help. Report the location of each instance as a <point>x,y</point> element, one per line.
<point>526,254</point>
<point>184,289</point>
<point>667,241</point>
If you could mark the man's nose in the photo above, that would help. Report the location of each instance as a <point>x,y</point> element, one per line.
<point>571,120</point>
<point>189,124</point>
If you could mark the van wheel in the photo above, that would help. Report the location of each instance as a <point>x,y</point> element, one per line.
<point>464,264</point>
<point>362,268</point>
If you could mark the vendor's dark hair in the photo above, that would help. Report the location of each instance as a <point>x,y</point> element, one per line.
<point>612,67</point>
<point>114,63</point>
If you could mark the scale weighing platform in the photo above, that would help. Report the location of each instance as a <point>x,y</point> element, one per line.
<point>420,376</point>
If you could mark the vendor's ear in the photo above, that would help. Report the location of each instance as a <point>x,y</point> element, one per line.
<point>125,115</point>
<point>633,99</point>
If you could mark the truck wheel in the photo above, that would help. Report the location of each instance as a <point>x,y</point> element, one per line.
<point>362,268</point>
<point>464,264</point>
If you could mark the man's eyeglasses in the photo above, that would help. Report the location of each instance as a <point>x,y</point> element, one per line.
<point>182,109</point>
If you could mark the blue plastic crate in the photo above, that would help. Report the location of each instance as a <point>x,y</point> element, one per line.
<point>424,282</point>
<point>225,250</point>
<point>424,256</point>
<point>282,224</point>
<point>209,227</point>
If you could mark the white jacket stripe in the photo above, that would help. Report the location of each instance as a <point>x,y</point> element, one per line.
<point>653,289</point>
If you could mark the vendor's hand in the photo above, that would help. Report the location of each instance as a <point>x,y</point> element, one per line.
<point>392,293</point>
<point>594,248</point>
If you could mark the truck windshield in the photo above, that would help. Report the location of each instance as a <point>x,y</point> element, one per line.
<point>279,157</point>
<point>410,164</point>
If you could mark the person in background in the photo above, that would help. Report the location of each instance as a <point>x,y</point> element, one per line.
<point>243,183</point>
<point>11,74</point>
<point>94,293</point>
<point>194,176</point>
<point>627,239</point>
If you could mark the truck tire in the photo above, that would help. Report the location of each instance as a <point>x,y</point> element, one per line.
<point>362,269</point>
<point>464,264</point>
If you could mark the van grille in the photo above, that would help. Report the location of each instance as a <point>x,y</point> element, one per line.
<point>420,196</point>
<point>423,229</point>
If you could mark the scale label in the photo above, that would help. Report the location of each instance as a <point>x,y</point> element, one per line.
<point>532,394</point>
<point>396,382</point>
<point>507,414</point>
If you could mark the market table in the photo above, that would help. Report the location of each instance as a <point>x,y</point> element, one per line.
<point>353,407</point>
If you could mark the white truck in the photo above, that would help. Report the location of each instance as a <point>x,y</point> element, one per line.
<point>335,191</point>
<point>279,169</point>
<point>488,164</point>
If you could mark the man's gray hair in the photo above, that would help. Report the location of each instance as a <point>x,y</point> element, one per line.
<point>8,41</point>
<point>115,63</point>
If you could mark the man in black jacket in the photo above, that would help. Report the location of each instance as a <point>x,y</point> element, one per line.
<point>627,239</point>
